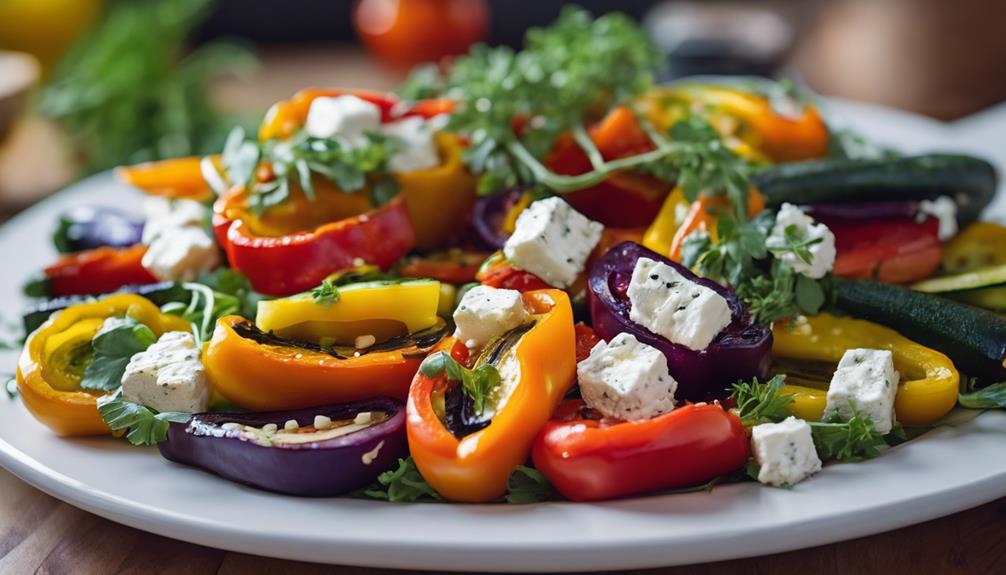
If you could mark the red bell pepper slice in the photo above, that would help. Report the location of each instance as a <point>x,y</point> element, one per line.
<point>98,271</point>
<point>891,250</point>
<point>452,268</point>
<point>299,261</point>
<point>590,459</point>
<point>586,339</point>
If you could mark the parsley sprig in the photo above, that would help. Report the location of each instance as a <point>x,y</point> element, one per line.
<point>404,484</point>
<point>528,485</point>
<point>145,426</point>
<point>326,293</point>
<point>113,346</point>
<point>838,439</point>
<point>478,384</point>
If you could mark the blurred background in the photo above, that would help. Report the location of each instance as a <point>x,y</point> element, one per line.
<point>89,84</point>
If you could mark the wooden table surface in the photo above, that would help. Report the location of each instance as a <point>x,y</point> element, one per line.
<point>39,534</point>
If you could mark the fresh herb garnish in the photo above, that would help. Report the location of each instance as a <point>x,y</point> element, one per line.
<point>528,485</point>
<point>325,294</point>
<point>851,439</point>
<point>476,383</point>
<point>118,340</point>
<point>991,397</point>
<point>146,426</point>
<point>228,282</point>
<point>404,484</point>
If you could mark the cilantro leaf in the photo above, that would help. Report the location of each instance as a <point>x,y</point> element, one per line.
<point>118,340</point>
<point>991,397</point>
<point>404,484</point>
<point>325,294</point>
<point>528,485</point>
<point>146,426</point>
<point>761,402</point>
<point>854,439</point>
<point>477,383</point>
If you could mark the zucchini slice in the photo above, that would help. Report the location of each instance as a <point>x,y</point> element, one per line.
<point>973,338</point>
<point>970,181</point>
<point>992,276</point>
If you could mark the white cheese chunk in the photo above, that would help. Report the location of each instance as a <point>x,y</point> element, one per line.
<point>347,118</point>
<point>670,305</point>
<point>167,376</point>
<point>866,379</point>
<point>164,216</point>
<point>944,209</point>
<point>552,241</point>
<point>785,452</point>
<point>181,255</point>
<point>822,254</point>
<point>626,379</point>
<point>417,149</point>
<point>487,312</point>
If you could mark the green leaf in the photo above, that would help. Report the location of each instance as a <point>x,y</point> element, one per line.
<point>991,397</point>
<point>118,340</point>
<point>477,384</point>
<point>761,402</point>
<point>325,294</point>
<point>854,439</point>
<point>528,485</point>
<point>809,295</point>
<point>404,484</point>
<point>37,287</point>
<point>146,426</point>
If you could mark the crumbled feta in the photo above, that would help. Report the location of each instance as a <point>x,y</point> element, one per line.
<point>164,216</point>
<point>866,379</point>
<point>944,209</point>
<point>626,379</point>
<point>785,452</point>
<point>822,253</point>
<point>182,255</point>
<point>347,118</point>
<point>322,422</point>
<point>670,305</point>
<point>417,149</point>
<point>168,376</point>
<point>486,312</point>
<point>552,241</point>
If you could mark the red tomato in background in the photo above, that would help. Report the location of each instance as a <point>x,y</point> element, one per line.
<point>409,32</point>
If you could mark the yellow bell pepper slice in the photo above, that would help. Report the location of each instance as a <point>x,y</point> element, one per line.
<point>929,381</point>
<point>660,235</point>
<point>383,309</point>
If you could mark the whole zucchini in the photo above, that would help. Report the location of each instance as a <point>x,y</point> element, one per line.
<point>970,181</point>
<point>973,338</point>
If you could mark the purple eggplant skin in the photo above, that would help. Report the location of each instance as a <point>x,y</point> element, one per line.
<point>90,227</point>
<point>488,215</point>
<point>320,469</point>
<point>743,349</point>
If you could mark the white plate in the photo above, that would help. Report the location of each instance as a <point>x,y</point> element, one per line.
<point>945,471</point>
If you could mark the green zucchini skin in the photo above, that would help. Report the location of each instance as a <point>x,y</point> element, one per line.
<point>973,338</point>
<point>987,277</point>
<point>970,181</point>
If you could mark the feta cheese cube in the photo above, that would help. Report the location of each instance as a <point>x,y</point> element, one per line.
<point>164,216</point>
<point>486,312</point>
<point>785,451</point>
<point>672,306</point>
<point>182,255</point>
<point>866,379</point>
<point>626,379</point>
<point>168,376</point>
<point>417,148</point>
<point>944,209</point>
<point>822,253</point>
<point>347,118</point>
<point>552,241</point>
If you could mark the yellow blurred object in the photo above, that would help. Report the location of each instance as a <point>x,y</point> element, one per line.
<point>45,28</point>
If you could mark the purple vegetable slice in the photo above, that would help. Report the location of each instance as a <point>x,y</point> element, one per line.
<point>488,215</point>
<point>365,438</point>
<point>741,351</point>
<point>89,227</point>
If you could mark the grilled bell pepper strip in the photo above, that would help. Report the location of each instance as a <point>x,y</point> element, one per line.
<point>55,355</point>
<point>977,246</point>
<point>498,273</point>
<point>173,178</point>
<point>678,219</point>
<point>300,260</point>
<point>476,468</point>
<point>748,117</point>
<point>258,371</point>
<point>929,380</point>
<point>97,271</point>
<point>589,458</point>
<point>890,250</point>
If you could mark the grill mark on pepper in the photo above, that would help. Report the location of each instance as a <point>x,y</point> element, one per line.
<point>412,345</point>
